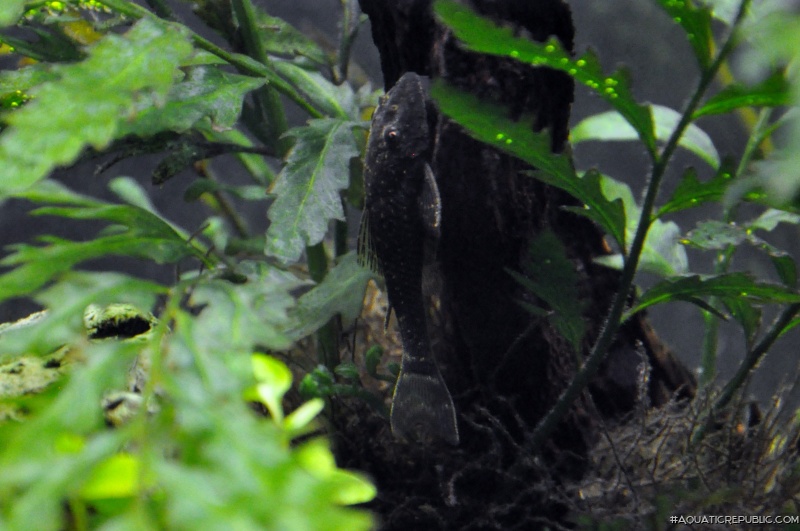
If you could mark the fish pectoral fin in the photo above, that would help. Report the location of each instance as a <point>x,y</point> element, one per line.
<point>422,408</point>
<point>366,252</point>
<point>430,203</point>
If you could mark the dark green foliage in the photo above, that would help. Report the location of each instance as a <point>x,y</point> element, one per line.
<point>550,276</point>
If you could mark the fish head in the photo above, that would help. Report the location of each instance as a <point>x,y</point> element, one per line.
<point>400,124</point>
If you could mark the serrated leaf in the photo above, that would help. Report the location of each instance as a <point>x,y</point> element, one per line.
<point>86,105</point>
<point>715,235</point>
<point>207,92</point>
<point>608,212</point>
<point>335,101</point>
<point>551,277</point>
<point>611,125</point>
<point>696,22</point>
<point>482,35</point>
<point>23,79</point>
<point>307,189</point>
<point>721,286</point>
<point>340,293</point>
<point>10,11</point>
<point>281,38</point>
<point>486,122</point>
<point>691,192</point>
<point>241,317</point>
<point>774,91</point>
<point>54,192</point>
<point>147,236</point>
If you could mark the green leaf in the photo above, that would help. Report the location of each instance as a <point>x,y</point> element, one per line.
<point>351,488</point>
<point>746,314</point>
<point>662,253</point>
<point>612,126</point>
<point>340,293</point>
<point>242,317</point>
<point>696,22</point>
<point>335,101</point>
<point>607,211</point>
<point>131,192</point>
<point>551,277</point>
<point>772,92</point>
<point>482,35</point>
<point>307,189</point>
<point>372,359</point>
<point>715,236</point>
<point>50,191</point>
<point>89,101</point>
<point>281,38</point>
<point>487,123</point>
<point>771,218</point>
<point>730,285</point>
<point>116,477</point>
<point>208,92</point>
<point>274,380</point>
<point>691,192</point>
<point>23,79</point>
<point>347,370</point>
<point>146,236</point>
<point>10,11</point>
<point>299,419</point>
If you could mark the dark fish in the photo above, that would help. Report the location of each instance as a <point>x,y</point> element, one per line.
<point>402,214</point>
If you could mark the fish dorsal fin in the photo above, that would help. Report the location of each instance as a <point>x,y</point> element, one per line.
<point>431,204</point>
<point>366,252</point>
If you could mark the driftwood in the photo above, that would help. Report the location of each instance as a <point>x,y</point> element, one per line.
<point>504,367</point>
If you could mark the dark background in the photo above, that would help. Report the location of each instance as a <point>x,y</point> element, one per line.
<point>634,33</point>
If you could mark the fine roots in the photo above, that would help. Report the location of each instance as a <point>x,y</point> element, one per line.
<point>647,470</point>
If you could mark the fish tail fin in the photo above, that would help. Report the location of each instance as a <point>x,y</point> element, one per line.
<point>422,408</point>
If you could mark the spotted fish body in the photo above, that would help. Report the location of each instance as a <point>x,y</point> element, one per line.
<point>402,215</point>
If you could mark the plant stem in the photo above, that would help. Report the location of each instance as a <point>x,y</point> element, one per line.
<point>751,360</point>
<point>723,259</point>
<point>348,35</point>
<point>326,335</point>
<point>592,364</point>
<point>237,222</point>
<point>267,99</point>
